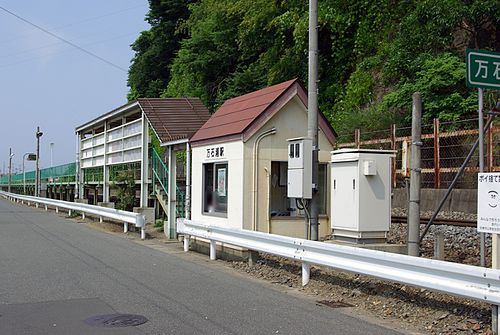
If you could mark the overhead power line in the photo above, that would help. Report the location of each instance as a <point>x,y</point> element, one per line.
<point>74,23</point>
<point>90,53</point>
<point>57,52</point>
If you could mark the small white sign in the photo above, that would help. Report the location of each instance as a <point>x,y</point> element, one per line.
<point>488,203</point>
<point>215,152</point>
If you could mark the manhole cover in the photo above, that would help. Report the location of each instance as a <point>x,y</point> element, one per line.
<point>116,320</point>
<point>334,304</point>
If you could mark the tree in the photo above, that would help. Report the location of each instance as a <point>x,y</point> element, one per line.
<point>156,48</point>
<point>125,182</point>
<point>373,53</point>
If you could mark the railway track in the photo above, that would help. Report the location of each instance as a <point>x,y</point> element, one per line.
<point>446,222</point>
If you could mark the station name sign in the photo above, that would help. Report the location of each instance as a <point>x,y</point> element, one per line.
<point>215,152</point>
<point>483,69</point>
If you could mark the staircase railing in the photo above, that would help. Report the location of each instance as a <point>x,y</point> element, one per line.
<point>160,170</point>
<point>160,174</point>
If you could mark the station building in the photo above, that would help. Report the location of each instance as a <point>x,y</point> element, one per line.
<point>239,162</point>
<point>141,138</point>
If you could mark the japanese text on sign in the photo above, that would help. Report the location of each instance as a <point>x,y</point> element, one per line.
<point>217,152</point>
<point>488,203</point>
<point>483,69</point>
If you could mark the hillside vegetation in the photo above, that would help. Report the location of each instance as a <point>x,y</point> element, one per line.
<point>373,54</point>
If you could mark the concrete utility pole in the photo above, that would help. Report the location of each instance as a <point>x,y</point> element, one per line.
<point>312,115</point>
<point>51,154</point>
<point>10,167</point>
<point>414,208</point>
<point>38,134</point>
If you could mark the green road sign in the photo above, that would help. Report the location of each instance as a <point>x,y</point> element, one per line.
<point>483,69</point>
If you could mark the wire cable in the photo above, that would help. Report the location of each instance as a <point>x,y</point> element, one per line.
<point>74,23</point>
<point>57,52</point>
<point>64,40</point>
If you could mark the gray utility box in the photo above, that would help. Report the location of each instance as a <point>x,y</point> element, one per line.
<point>299,168</point>
<point>361,194</point>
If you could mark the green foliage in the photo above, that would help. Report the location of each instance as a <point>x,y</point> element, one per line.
<point>373,54</point>
<point>209,55</point>
<point>441,82</point>
<point>181,156</point>
<point>155,49</point>
<point>125,182</point>
<point>155,143</point>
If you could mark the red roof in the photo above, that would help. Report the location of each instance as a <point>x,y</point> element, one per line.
<point>174,118</point>
<point>238,114</point>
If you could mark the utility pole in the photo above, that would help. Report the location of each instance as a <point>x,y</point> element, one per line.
<point>10,167</point>
<point>312,115</point>
<point>415,177</point>
<point>38,134</point>
<point>51,152</point>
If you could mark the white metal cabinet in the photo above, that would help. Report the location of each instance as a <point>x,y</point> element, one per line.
<point>300,168</point>
<point>361,194</point>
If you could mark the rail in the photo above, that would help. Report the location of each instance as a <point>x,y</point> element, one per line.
<point>103,212</point>
<point>468,281</point>
<point>438,222</point>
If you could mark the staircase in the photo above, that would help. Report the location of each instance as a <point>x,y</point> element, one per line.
<point>160,185</point>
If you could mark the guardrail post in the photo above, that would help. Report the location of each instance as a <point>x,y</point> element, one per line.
<point>306,273</point>
<point>36,204</point>
<point>125,227</point>
<point>100,219</point>
<point>495,314</point>
<point>213,250</point>
<point>69,212</point>
<point>83,215</point>
<point>22,202</point>
<point>143,233</point>
<point>186,243</point>
<point>57,209</point>
<point>46,208</point>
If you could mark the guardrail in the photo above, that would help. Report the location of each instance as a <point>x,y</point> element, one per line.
<point>103,212</point>
<point>468,281</point>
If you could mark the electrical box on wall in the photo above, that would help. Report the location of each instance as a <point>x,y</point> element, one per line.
<point>299,168</point>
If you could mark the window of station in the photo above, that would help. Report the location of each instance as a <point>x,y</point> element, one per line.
<point>215,188</point>
<point>280,204</point>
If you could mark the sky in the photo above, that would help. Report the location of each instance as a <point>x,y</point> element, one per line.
<point>47,83</point>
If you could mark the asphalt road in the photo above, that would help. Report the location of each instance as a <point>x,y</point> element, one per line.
<point>55,273</point>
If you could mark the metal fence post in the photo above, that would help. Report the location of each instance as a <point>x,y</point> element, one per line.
<point>489,149</point>
<point>437,158</point>
<point>357,137</point>
<point>393,160</point>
